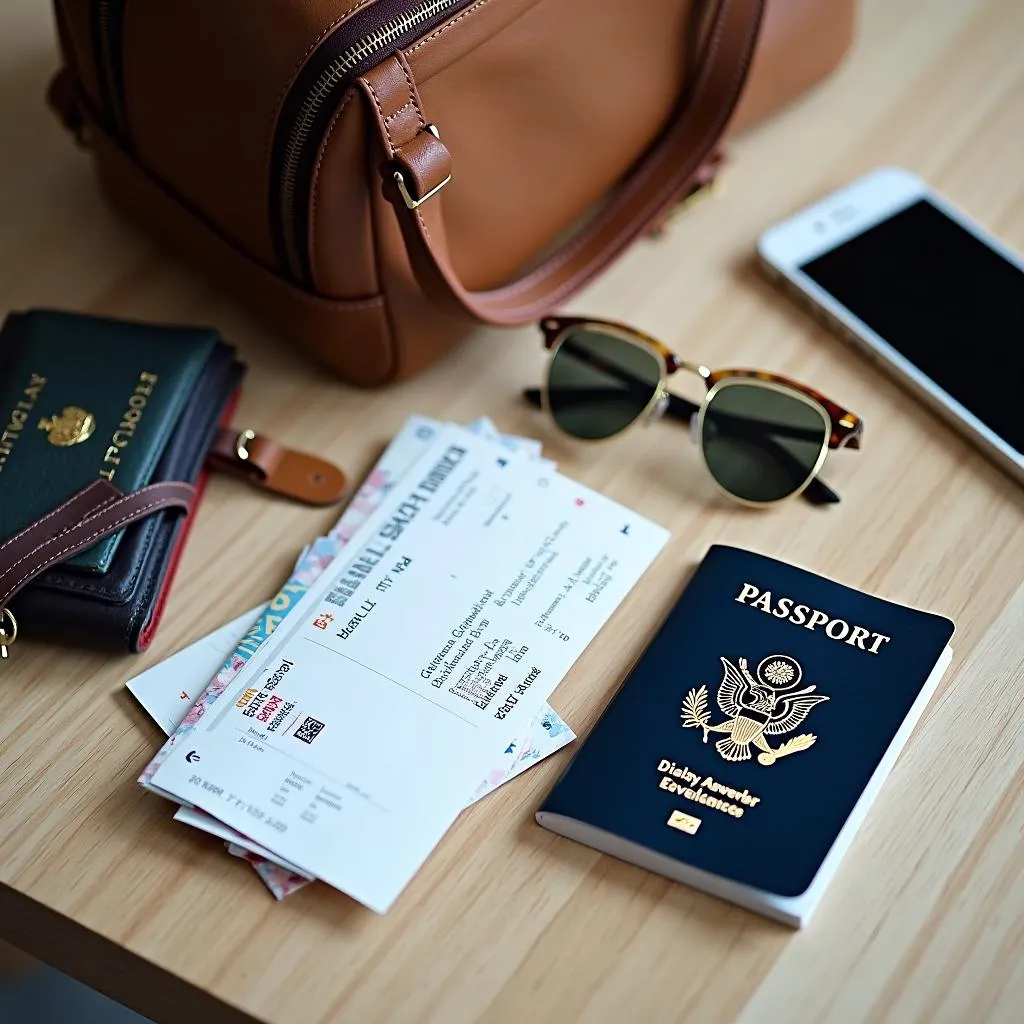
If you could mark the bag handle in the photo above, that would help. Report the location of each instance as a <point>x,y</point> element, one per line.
<point>420,166</point>
<point>91,514</point>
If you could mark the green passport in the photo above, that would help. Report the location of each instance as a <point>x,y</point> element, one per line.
<point>78,403</point>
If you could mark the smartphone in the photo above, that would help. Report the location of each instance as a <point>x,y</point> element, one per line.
<point>921,290</point>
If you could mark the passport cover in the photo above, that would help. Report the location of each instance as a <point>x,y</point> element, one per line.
<point>747,732</point>
<point>83,397</point>
<point>119,608</point>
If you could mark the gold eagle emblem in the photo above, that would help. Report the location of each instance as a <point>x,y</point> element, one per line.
<point>72,426</point>
<point>768,705</point>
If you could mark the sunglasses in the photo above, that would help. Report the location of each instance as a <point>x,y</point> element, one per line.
<point>763,437</point>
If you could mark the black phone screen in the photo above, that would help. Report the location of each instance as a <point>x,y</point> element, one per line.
<point>945,301</point>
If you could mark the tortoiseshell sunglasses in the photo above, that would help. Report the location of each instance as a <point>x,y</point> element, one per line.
<point>763,437</point>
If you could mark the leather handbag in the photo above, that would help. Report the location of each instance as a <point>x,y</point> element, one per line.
<point>378,176</point>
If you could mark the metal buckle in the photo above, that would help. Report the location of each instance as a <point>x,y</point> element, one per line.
<point>411,202</point>
<point>242,442</point>
<point>6,640</point>
<point>710,188</point>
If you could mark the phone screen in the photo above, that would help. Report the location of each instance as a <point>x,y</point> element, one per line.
<point>945,301</point>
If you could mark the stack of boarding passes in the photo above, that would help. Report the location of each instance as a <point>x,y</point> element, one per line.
<point>402,672</point>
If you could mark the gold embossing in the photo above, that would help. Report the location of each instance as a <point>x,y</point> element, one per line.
<point>787,609</point>
<point>684,822</point>
<point>71,427</point>
<point>18,416</point>
<point>125,431</point>
<point>708,791</point>
<point>757,708</point>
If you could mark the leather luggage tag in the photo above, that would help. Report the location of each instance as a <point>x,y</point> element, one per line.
<point>272,467</point>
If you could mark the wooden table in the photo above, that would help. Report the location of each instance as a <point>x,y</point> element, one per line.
<point>506,921</point>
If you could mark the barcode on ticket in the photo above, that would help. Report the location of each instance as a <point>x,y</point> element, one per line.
<point>478,688</point>
<point>473,688</point>
<point>342,592</point>
<point>309,730</point>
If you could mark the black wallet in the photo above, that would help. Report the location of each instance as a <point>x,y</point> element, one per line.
<point>86,399</point>
<point>110,427</point>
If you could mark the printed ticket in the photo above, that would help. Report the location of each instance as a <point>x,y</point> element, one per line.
<point>169,689</point>
<point>545,735</point>
<point>352,740</point>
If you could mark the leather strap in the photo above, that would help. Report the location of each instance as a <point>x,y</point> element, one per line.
<point>272,467</point>
<point>665,174</point>
<point>93,513</point>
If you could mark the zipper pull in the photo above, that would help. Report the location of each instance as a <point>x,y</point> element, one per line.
<point>7,640</point>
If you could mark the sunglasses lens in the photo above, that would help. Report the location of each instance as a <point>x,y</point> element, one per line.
<point>760,444</point>
<point>598,384</point>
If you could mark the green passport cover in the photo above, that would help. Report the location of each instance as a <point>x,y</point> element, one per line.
<point>82,399</point>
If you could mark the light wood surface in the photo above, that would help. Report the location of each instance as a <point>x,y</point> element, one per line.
<point>506,921</point>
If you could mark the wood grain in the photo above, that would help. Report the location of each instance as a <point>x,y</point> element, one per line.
<point>506,921</point>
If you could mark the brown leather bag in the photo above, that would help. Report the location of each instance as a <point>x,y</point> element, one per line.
<point>377,176</point>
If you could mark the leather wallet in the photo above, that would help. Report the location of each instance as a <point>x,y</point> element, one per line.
<point>86,400</point>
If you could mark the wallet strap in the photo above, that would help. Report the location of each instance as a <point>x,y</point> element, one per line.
<point>96,511</point>
<point>271,466</point>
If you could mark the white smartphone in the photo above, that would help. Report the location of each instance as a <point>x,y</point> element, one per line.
<point>923,291</point>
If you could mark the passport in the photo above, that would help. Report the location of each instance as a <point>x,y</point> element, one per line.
<point>748,742</point>
<point>82,399</point>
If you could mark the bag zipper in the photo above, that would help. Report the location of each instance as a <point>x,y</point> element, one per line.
<point>355,47</point>
<point>108,33</point>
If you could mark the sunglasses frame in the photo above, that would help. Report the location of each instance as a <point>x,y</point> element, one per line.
<point>843,428</point>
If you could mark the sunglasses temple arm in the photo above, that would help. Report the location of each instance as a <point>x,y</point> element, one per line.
<point>817,492</point>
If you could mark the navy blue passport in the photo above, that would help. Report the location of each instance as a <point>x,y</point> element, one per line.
<point>745,748</point>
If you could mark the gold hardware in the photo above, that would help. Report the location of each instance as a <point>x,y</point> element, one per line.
<point>410,201</point>
<point>710,188</point>
<point>242,443</point>
<point>407,197</point>
<point>714,187</point>
<point>336,72</point>
<point>5,640</point>
<point>698,368</point>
